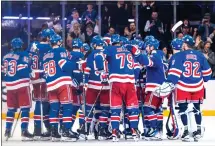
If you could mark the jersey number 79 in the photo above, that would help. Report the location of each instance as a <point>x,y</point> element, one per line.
<point>123,57</point>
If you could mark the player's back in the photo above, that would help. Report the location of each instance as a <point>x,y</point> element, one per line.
<point>195,70</point>
<point>121,64</point>
<point>75,57</point>
<point>15,66</point>
<point>55,76</point>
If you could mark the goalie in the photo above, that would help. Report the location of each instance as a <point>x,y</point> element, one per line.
<point>187,74</point>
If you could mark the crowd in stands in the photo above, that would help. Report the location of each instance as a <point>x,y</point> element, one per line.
<point>114,19</point>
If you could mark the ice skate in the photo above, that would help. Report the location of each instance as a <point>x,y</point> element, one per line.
<point>128,134</point>
<point>102,135</point>
<point>197,135</point>
<point>185,136</point>
<point>7,134</point>
<point>55,136</point>
<point>152,134</point>
<point>115,135</point>
<point>82,133</point>
<point>68,136</point>
<point>26,136</point>
<point>135,134</point>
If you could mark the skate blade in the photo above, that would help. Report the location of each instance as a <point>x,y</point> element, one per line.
<point>82,136</point>
<point>186,140</point>
<point>136,139</point>
<point>101,138</point>
<point>53,139</point>
<point>66,139</point>
<point>27,139</point>
<point>114,139</point>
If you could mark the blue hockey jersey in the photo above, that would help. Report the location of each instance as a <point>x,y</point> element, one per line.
<point>92,71</point>
<point>155,70</point>
<point>120,63</point>
<point>36,56</point>
<point>75,57</point>
<point>15,66</point>
<point>189,69</point>
<point>57,68</point>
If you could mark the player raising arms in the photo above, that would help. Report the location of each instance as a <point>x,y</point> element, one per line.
<point>187,74</point>
<point>58,72</point>
<point>17,78</point>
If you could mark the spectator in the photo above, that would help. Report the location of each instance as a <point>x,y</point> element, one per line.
<point>212,37</point>
<point>210,56</point>
<point>111,31</point>
<point>89,16</point>
<point>180,35</point>
<point>96,28</point>
<point>105,19</point>
<point>205,28</point>
<point>131,31</point>
<point>145,12</point>
<point>199,44</point>
<point>74,32</point>
<point>89,34</point>
<point>119,16</point>
<point>186,25</point>
<point>72,19</point>
<point>154,26</point>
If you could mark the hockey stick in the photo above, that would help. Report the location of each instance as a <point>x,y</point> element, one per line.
<point>86,117</point>
<point>17,119</point>
<point>41,109</point>
<point>141,99</point>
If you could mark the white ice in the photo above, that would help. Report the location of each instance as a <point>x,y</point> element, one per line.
<point>207,140</point>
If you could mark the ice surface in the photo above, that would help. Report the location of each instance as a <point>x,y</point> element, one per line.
<point>207,140</point>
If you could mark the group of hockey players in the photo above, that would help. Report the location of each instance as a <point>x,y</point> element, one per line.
<point>111,81</point>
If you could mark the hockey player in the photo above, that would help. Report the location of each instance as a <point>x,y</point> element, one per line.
<point>57,70</point>
<point>96,91</point>
<point>17,78</point>
<point>121,78</point>
<point>187,74</point>
<point>77,76</point>
<point>155,77</point>
<point>37,51</point>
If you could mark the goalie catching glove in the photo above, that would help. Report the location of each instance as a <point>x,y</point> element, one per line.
<point>164,90</point>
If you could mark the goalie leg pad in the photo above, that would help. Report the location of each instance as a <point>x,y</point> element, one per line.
<point>198,115</point>
<point>25,118</point>
<point>182,111</point>
<point>10,117</point>
<point>53,114</point>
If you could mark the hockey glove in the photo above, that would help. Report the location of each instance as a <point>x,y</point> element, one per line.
<point>104,77</point>
<point>133,49</point>
<point>82,65</point>
<point>164,90</point>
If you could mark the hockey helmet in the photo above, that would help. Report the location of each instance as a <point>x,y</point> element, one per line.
<point>55,38</point>
<point>115,38</point>
<point>16,43</point>
<point>177,44</point>
<point>188,40</point>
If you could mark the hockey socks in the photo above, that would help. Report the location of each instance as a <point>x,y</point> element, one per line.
<point>182,111</point>
<point>10,118</point>
<point>115,118</point>
<point>25,118</point>
<point>133,117</point>
<point>67,112</point>
<point>103,118</point>
<point>151,117</point>
<point>37,114</point>
<point>53,114</point>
